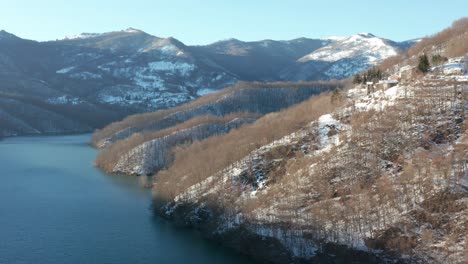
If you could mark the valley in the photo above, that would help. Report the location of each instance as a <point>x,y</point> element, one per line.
<point>371,170</point>
<point>127,147</point>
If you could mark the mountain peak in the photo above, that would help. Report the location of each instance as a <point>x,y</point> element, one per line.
<point>4,35</point>
<point>365,47</point>
<point>172,41</point>
<point>229,40</point>
<point>133,30</point>
<point>335,38</point>
<point>366,35</point>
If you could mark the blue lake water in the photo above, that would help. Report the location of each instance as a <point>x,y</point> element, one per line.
<point>56,207</point>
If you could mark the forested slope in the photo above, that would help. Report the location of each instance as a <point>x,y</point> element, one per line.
<point>370,174</point>
<point>142,144</point>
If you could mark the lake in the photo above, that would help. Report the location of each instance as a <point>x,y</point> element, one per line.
<point>56,207</point>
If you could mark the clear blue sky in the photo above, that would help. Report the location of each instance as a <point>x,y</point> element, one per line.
<point>205,21</point>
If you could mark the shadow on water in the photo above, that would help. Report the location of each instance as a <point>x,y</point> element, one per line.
<point>189,240</point>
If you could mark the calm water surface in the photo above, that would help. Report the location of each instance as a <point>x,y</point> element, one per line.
<point>55,207</point>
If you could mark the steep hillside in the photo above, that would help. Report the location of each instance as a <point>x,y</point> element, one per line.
<point>373,173</point>
<point>260,98</point>
<point>143,144</point>
<point>150,151</point>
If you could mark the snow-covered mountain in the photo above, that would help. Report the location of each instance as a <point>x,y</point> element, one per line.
<point>344,57</point>
<point>130,71</point>
<point>364,44</point>
<point>114,74</point>
<point>146,71</point>
<point>259,60</point>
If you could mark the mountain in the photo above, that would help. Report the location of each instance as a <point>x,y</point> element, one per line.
<point>259,60</point>
<point>93,79</point>
<point>344,57</point>
<point>302,59</point>
<point>110,75</point>
<point>135,69</point>
<point>367,173</point>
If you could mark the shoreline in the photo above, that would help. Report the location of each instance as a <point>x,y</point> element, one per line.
<point>244,240</point>
<point>49,134</point>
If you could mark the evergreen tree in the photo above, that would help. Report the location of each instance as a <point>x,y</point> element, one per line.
<point>438,59</point>
<point>423,65</point>
<point>357,79</point>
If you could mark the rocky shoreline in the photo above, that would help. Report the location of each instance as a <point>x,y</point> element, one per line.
<point>246,240</point>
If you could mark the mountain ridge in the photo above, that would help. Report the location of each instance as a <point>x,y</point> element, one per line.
<point>140,31</point>
<point>130,71</point>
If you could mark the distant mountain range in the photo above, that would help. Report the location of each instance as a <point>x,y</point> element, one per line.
<point>85,81</point>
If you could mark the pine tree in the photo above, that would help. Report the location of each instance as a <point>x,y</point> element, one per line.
<point>438,59</point>
<point>357,79</point>
<point>423,65</point>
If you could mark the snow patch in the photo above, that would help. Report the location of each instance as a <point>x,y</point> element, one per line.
<point>82,36</point>
<point>171,50</point>
<point>377,100</point>
<point>205,91</point>
<point>64,99</point>
<point>65,70</point>
<point>364,45</point>
<point>85,75</point>
<point>182,68</point>
<point>131,30</point>
<point>329,129</point>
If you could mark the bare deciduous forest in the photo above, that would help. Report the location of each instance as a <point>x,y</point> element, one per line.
<point>380,170</point>
<point>243,97</point>
<point>451,42</point>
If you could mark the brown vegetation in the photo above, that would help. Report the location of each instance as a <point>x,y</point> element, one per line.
<point>393,181</point>
<point>202,159</point>
<point>108,157</point>
<point>386,167</point>
<point>450,42</point>
<point>372,187</point>
<point>142,119</point>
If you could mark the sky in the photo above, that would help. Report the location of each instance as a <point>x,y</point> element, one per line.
<point>205,21</point>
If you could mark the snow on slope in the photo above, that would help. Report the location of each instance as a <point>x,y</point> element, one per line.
<point>93,35</point>
<point>328,129</point>
<point>82,36</point>
<point>65,70</point>
<point>361,45</point>
<point>342,57</point>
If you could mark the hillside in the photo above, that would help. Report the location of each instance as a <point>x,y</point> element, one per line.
<point>372,173</point>
<point>355,177</point>
<point>145,153</point>
<point>260,60</point>
<point>116,74</point>
<point>130,145</point>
